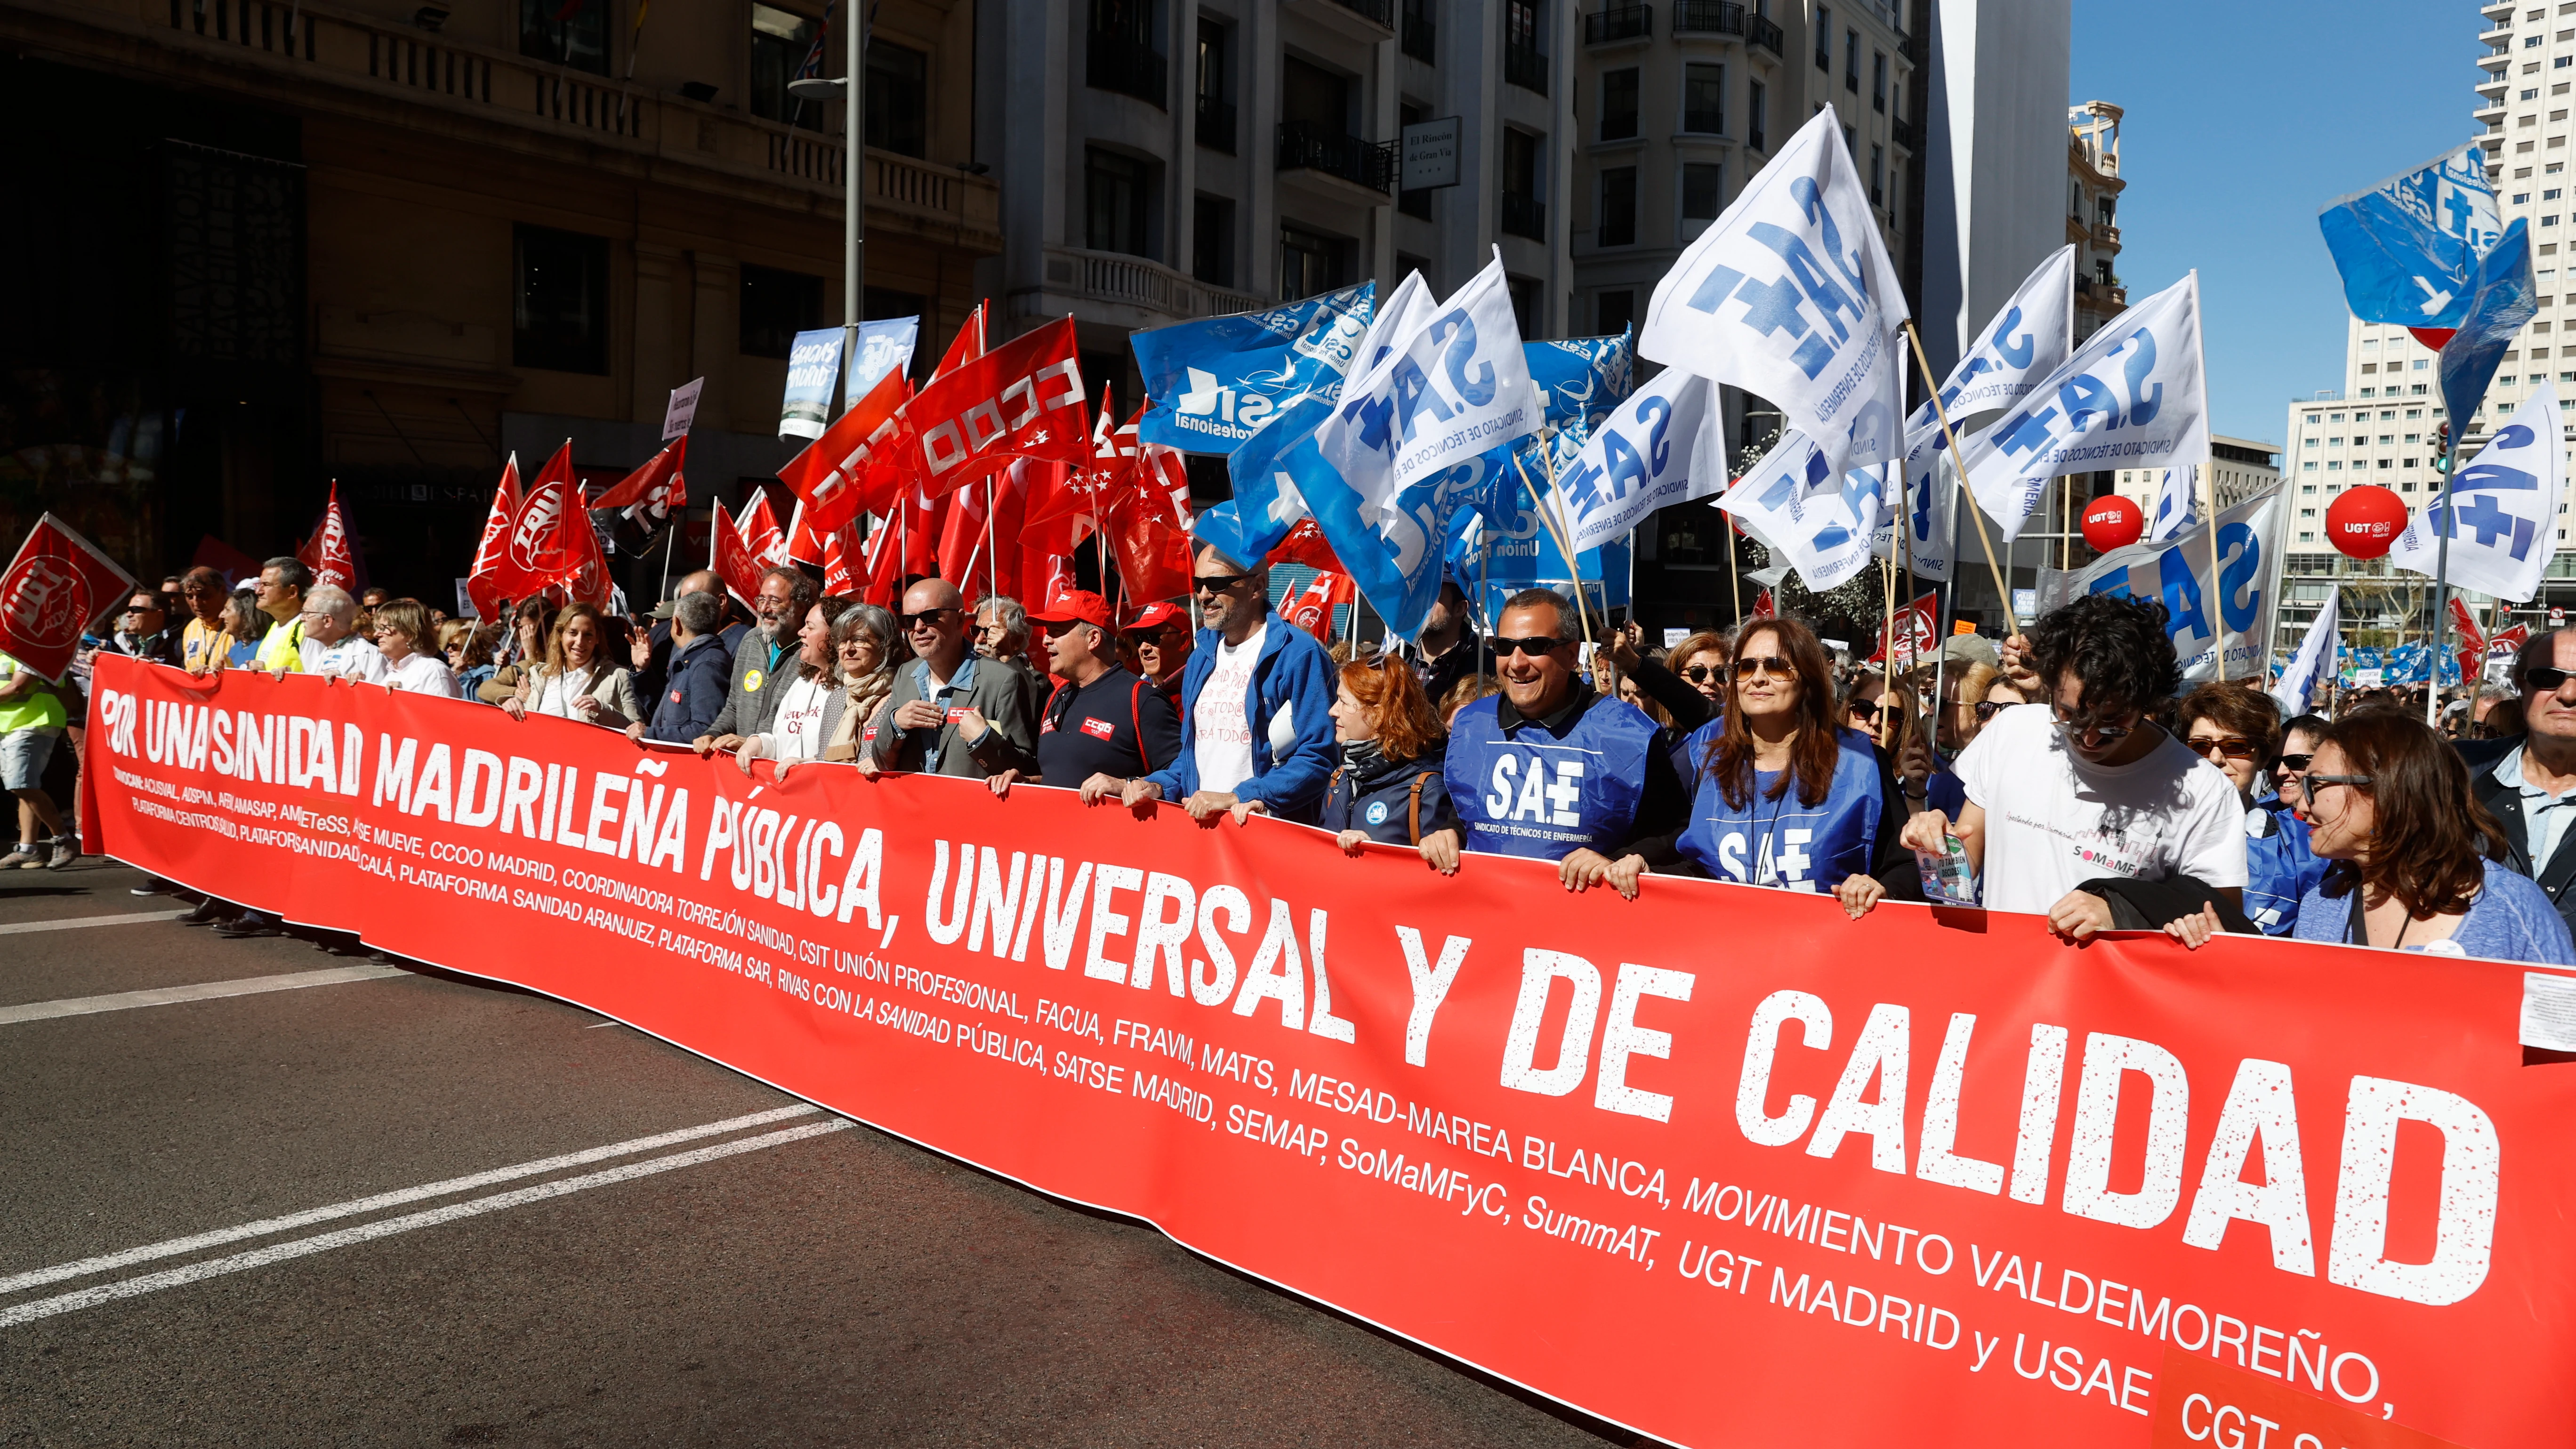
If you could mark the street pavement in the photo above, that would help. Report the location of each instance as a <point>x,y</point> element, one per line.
<point>399,1207</point>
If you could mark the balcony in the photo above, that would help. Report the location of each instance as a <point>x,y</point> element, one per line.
<point>1524,216</point>
<point>1619,22</point>
<point>2501,35</point>
<point>2494,60</point>
<point>1523,66</point>
<point>1216,124</point>
<point>1420,32</point>
<point>1373,164</point>
<point>1381,12</point>
<point>2108,235</point>
<point>1117,279</point>
<point>1910,48</point>
<point>1707,17</point>
<point>1763,31</point>
<point>1127,65</point>
<point>1901,131</point>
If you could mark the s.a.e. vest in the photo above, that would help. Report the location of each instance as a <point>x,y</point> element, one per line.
<point>1535,792</point>
<point>2280,869</point>
<point>1787,842</point>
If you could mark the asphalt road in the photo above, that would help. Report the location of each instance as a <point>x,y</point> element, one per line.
<point>238,1219</point>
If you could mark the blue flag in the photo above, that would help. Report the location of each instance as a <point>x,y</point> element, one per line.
<point>1210,385</point>
<point>1583,378</point>
<point>2499,303</point>
<point>2408,248</point>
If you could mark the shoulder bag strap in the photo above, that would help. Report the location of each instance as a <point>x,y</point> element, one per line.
<point>1413,810</point>
<point>1136,721</point>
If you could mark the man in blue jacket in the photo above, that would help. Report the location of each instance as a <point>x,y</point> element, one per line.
<point>1256,706</point>
<point>701,672</point>
<point>1551,769</point>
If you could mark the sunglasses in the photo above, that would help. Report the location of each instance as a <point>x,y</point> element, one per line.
<point>1216,583</point>
<point>2234,747</point>
<point>2313,781</point>
<point>1534,648</point>
<point>1747,665</point>
<point>1705,673</point>
<point>2296,764</point>
<point>2085,726</point>
<point>1986,709</point>
<point>927,618</point>
<point>2545,679</point>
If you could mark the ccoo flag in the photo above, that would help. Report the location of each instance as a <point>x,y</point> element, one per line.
<point>2408,248</point>
<point>2503,515</point>
<point>1789,295</point>
<point>2131,397</point>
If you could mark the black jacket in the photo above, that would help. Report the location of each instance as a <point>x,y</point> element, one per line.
<point>1397,802</point>
<point>2504,802</point>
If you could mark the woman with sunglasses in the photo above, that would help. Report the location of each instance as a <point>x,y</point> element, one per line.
<point>1781,795</point>
<point>1689,681</point>
<point>2299,738</point>
<point>2417,862</point>
<point>2235,728</point>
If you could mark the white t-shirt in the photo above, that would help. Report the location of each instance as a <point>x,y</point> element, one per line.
<point>2054,821</point>
<point>560,688</point>
<point>350,658</point>
<point>1221,741</point>
<point>422,674</point>
<point>797,732</point>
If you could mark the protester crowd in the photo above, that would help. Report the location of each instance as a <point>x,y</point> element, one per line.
<point>2066,772</point>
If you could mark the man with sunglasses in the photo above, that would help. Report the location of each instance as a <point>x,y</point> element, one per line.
<point>2084,785</point>
<point>1552,770</point>
<point>1256,706</point>
<point>952,711</point>
<point>1445,651</point>
<point>2529,782</point>
<point>1102,726</point>
<point>1160,637</point>
<point>140,629</point>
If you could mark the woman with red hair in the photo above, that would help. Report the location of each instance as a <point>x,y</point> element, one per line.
<point>1388,787</point>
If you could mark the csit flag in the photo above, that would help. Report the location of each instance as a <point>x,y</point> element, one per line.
<point>1662,447</point>
<point>2503,515</point>
<point>1212,384</point>
<point>2202,613</point>
<point>2130,397</point>
<point>1790,295</point>
<point>1583,378</point>
<point>57,586</point>
<point>2408,248</point>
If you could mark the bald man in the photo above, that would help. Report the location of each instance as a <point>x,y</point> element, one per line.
<point>951,713</point>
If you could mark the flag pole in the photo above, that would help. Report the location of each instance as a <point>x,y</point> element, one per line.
<point>1887,639</point>
<point>1734,588</point>
<point>1950,436</point>
<point>1565,546</point>
<point>1484,575</point>
<point>2441,591</point>
<point>992,554</point>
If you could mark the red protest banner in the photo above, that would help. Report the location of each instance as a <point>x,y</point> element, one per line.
<point>54,590</point>
<point>1716,1164</point>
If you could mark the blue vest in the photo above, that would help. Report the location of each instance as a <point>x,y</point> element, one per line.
<point>1786,842</point>
<point>1546,795</point>
<point>2280,869</point>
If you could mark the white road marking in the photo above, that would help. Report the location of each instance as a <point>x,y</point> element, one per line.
<point>20,928</point>
<point>203,991</point>
<point>386,1227</point>
<point>86,1266</point>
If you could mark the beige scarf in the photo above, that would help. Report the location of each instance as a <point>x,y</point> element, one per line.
<point>865,696</point>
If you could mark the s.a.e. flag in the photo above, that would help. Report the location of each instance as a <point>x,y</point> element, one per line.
<point>1655,450</point>
<point>2314,663</point>
<point>2130,397</point>
<point>55,588</point>
<point>2408,248</point>
<point>1812,519</point>
<point>2503,516</point>
<point>1582,378</point>
<point>1212,384</point>
<point>1790,295</point>
<point>2205,613</point>
<point>2177,503</point>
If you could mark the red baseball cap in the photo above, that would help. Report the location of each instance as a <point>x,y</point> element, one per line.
<point>1074,606</point>
<point>1153,616</point>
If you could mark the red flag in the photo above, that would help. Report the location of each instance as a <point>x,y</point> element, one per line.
<point>1305,544</point>
<point>962,535</point>
<point>1312,610</point>
<point>1763,608</point>
<point>894,462</point>
<point>658,485</point>
<point>805,542</point>
<point>830,477</point>
<point>761,536</point>
<point>1911,631</point>
<point>1023,399</point>
<point>483,582</point>
<point>908,544</point>
<point>329,553</point>
<point>732,559</point>
<point>963,348</point>
<point>837,578</point>
<point>54,590</point>
<point>1075,499</point>
<point>550,543</point>
<point>2467,624</point>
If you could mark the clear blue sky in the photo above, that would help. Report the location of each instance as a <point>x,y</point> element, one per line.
<point>2242,121</point>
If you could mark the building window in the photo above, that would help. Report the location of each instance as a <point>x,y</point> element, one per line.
<point>781,44</point>
<point>1123,52</point>
<point>1216,113</point>
<point>1618,225</point>
<point>776,306</point>
<point>559,320</point>
<point>1523,213</point>
<point>1619,104</point>
<point>1310,263</point>
<point>1757,114</point>
<point>1878,80</point>
<point>898,99</point>
<point>1824,40</point>
<point>1877,175</point>
<point>1421,31</point>
<point>1615,312</point>
<point>1703,195</point>
<point>1212,240</point>
<point>1526,306</point>
<point>1117,192</point>
<point>561,35</point>
<point>1704,99</point>
<point>1524,64</point>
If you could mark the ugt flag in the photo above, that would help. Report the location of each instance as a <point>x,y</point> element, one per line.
<point>2500,302</point>
<point>55,588</point>
<point>2314,661</point>
<point>2204,614</point>
<point>2408,248</point>
<point>1660,448</point>
<point>1211,384</point>
<point>2130,397</point>
<point>1811,518</point>
<point>1583,378</point>
<point>1789,295</point>
<point>331,553</point>
<point>2503,514</point>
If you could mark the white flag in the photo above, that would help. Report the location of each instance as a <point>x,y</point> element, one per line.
<point>1451,387</point>
<point>2315,661</point>
<point>1812,519</point>
<point>1658,449</point>
<point>1789,295</point>
<point>2503,518</point>
<point>2175,508</point>
<point>2130,397</point>
<point>1929,504</point>
<point>1406,308</point>
<point>2203,613</point>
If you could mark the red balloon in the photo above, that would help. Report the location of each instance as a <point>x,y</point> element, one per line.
<point>2112,522</point>
<point>2365,521</point>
